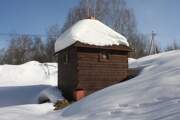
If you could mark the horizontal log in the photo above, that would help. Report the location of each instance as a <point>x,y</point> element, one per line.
<point>86,54</point>
<point>96,57</point>
<point>95,60</point>
<point>100,67</point>
<point>100,63</point>
<point>101,72</point>
<point>101,78</point>
<point>96,86</point>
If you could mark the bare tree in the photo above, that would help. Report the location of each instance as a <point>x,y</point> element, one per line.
<point>173,46</point>
<point>39,50</point>
<point>115,14</point>
<point>19,50</point>
<point>24,48</point>
<point>2,51</point>
<point>53,34</point>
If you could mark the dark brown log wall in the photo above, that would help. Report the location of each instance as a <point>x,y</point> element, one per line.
<point>94,73</point>
<point>67,73</point>
<point>86,69</point>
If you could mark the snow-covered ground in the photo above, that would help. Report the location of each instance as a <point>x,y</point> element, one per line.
<point>153,95</point>
<point>21,87</point>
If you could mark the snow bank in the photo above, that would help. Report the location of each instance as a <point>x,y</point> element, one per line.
<point>30,73</point>
<point>91,32</point>
<point>26,112</point>
<point>131,60</point>
<point>21,84</point>
<point>153,95</point>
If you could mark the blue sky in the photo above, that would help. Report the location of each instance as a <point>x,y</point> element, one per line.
<point>161,16</point>
<point>35,16</point>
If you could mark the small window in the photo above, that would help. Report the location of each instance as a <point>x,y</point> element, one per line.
<point>64,58</point>
<point>104,56</point>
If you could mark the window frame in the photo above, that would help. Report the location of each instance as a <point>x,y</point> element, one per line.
<point>102,58</point>
<point>64,58</point>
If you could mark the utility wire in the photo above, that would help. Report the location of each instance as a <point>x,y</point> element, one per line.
<point>19,34</point>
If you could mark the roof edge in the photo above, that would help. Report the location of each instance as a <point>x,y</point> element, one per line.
<point>112,47</point>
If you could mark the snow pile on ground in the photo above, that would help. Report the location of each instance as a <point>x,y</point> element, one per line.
<point>51,94</point>
<point>153,95</point>
<point>26,112</point>
<point>30,73</point>
<point>24,84</point>
<point>131,60</point>
<point>91,32</point>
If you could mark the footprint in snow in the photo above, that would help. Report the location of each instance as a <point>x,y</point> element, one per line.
<point>160,100</point>
<point>164,99</point>
<point>117,111</point>
<point>129,105</point>
<point>147,104</point>
<point>135,106</point>
<point>172,99</point>
<point>123,105</point>
<point>177,100</point>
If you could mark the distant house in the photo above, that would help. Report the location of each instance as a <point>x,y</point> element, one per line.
<point>91,56</point>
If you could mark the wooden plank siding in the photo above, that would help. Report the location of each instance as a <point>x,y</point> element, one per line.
<point>94,74</point>
<point>87,70</point>
<point>67,73</point>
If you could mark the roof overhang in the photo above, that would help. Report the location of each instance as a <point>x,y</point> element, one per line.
<point>112,47</point>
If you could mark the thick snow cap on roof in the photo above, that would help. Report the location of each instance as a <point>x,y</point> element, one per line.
<point>92,32</point>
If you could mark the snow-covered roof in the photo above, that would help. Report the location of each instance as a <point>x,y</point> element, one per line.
<point>92,32</point>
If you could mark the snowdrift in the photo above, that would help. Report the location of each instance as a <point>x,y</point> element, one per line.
<point>30,73</point>
<point>51,94</point>
<point>153,95</point>
<point>24,84</point>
